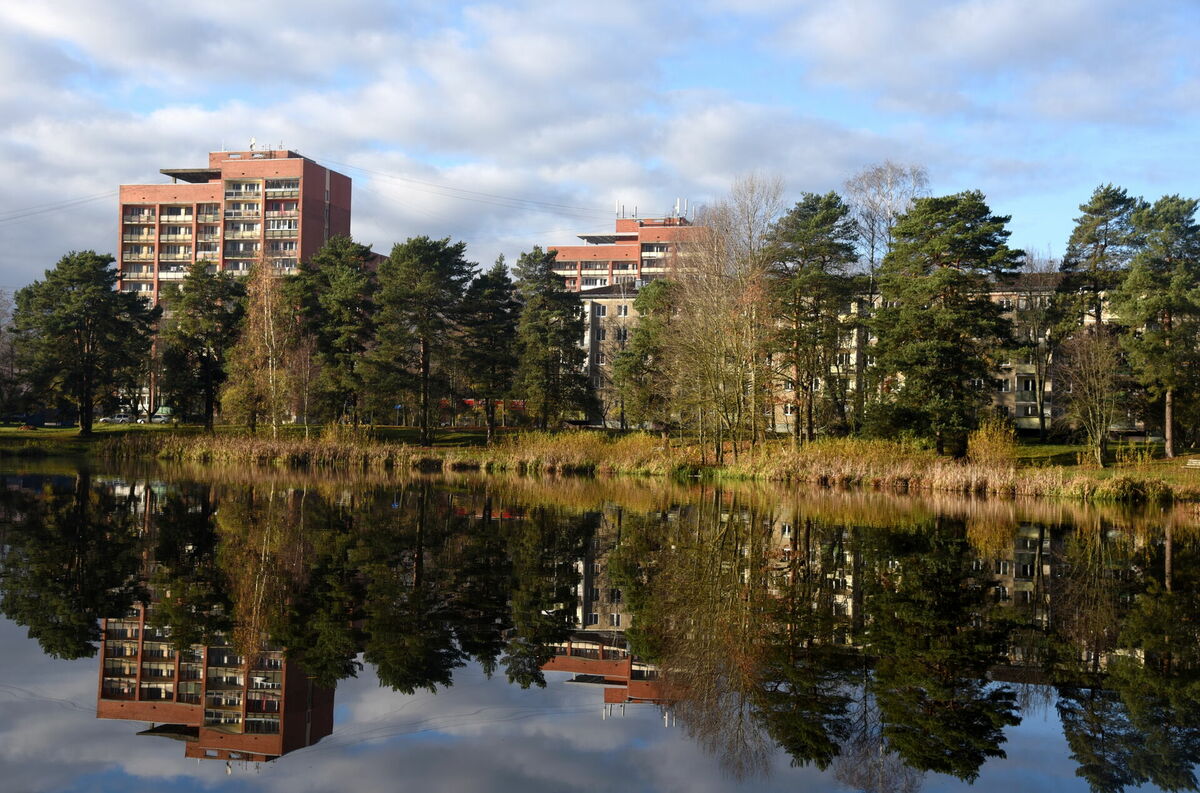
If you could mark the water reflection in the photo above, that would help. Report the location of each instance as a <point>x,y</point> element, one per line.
<point>876,638</point>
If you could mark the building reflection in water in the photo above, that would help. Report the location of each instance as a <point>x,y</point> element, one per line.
<point>222,705</point>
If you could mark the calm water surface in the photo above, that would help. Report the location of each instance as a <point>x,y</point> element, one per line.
<point>182,630</point>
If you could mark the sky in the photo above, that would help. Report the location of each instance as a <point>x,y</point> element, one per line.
<point>519,123</point>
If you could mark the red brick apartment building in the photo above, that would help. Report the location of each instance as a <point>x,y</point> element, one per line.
<point>220,705</point>
<point>276,205</point>
<point>640,249</point>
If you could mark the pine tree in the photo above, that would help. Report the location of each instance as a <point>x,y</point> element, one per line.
<point>335,291</point>
<point>938,330</point>
<point>813,245</point>
<point>487,345</point>
<point>81,338</point>
<point>550,369</point>
<point>1102,244</point>
<point>642,371</point>
<point>421,292</point>
<point>1159,303</point>
<point>205,318</point>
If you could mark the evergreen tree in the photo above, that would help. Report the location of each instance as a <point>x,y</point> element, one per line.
<point>334,290</point>
<point>421,293</point>
<point>205,318</point>
<point>642,370</point>
<point>71,559</point>
<point>487,346</point>
<point>82,339</point>
<point>1159,303</point>
<point>1102,243</point>
<point>813,246</point>
<point>938,329</point>
<point>550,371</point>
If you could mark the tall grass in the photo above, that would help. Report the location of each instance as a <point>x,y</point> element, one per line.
<point>990,468</point>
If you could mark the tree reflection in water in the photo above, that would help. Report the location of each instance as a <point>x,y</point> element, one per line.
<point>877,638</point>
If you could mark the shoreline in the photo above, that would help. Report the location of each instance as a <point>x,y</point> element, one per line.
<point>835,464</point>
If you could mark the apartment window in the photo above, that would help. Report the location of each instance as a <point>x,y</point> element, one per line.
<point>282,224</point>
<point>622,310</point>
<point>614,595</point>
<point>601,358</point>
<point>844,359</point>
<point>789,409</point>
<point>785,530</point>
<point>1003,385</point>
<point>595,593</point>
<point>1028,410</point>
<point>601,334</point>
<point>593,618</point>
<point>1026,384</point>
<point>614,620</point>
<point>622,334</point>
<point>601,310</point>
<point>1006,303</point>
<point>789,385</point>
<point>594,282</point>
<point>284,246</point>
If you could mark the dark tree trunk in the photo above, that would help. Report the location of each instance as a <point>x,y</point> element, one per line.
<point>425,434</point>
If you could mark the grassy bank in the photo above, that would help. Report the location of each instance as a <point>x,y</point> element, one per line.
<point>1032,470</point>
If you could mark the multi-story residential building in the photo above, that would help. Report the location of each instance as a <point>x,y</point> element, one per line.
<point>639,250</point>
<point>221,705</point>
<point>610,319</point>
<point>275,205</point>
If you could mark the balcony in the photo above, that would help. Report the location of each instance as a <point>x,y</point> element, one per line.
<point>177,218</point>
<point>175,257</point>
<point>108,692</point>
<point>147,219</point>
<point>208,217</point>
<point>209,236</point>
<point>175,237</point>
<point>242,213</point>
<point>273,234</point>
<point>172,275</point>
<point>283,213</point>
<point>138,257</point>
<point>243,235</point>
<point>149,238</point>
<point>236,195</point>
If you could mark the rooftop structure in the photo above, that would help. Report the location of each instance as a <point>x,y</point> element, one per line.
<point>638,250</point>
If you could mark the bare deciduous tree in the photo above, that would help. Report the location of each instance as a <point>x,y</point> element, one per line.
<point>724,325</point>
<point>1092,379</point>
<point>879,194</point>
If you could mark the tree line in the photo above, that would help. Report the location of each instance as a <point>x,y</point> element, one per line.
<point>879,313</point>
<point>869,313</point>
<point>349,337</point>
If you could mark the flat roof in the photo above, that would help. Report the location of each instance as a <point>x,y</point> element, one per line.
<point>194,175</point>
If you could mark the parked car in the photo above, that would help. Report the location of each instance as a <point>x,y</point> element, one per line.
<point>116,418</point>
<point>164,415</point>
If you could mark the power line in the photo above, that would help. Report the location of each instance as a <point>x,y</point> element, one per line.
<point>25,212</point>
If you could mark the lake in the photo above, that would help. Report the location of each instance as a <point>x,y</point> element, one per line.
<point>188,629</point>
